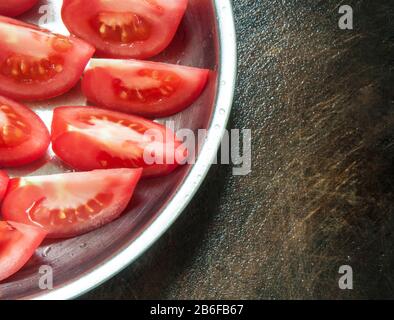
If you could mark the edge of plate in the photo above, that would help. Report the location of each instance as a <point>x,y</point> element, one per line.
<point>226,88</point>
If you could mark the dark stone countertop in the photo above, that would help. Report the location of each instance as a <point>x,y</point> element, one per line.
<point>320,103</point>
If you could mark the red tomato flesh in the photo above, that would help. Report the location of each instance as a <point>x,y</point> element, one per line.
<point>24,138</point>
<point>92,138</point>
<point>14,8</point>
<point>18,242</point>
<point>128,28</point>
<point>70,204</point>
<point>148,89</point>
<point>3,183</point>
<point>36,64</point>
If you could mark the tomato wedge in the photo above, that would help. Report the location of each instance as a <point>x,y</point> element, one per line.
<point>70,204</point>
<point>18,242</point>
<point>128,28</point>
<point>3,183</point>
<point>36,64</point>
<point>88,138</point>
<point>148,89</point>
<point>14,8</point>
<point>24,138</point>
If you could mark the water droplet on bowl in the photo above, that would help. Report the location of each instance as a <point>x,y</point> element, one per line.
<point>46,252</point>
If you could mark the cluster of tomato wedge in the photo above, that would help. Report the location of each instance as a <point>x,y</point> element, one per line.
<point>106,144</point>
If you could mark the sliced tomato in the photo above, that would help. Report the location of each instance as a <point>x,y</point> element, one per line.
<point>36,64</point>
<point>3,183</point>
<point>24,138</point>
<point>148,89</point>
<point>91,138</point>
<point>128,28</point>
<point>14,8</point>
<point>70,204</point>
<point>18,242</point>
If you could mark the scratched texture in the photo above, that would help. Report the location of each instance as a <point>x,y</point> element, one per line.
<point>321,193</point>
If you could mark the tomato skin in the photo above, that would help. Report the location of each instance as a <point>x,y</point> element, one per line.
<point>3,183</point>
<point>18,243</point>
<point>82,150</point>
<point>34,147</point>
<point>163,16</point>
<point>16,8</point>
<point>70,204</point>
<point>74,60</point>
<point>98,86</point>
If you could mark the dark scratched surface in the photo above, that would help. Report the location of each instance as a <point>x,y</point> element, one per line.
<point>321,193</point>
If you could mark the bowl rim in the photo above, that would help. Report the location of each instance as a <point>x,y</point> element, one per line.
<point>197,174</point>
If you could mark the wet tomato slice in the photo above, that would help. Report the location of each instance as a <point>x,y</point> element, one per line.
<point>70,204</point>
<point>92,138</point>
<point>128,28</point>
<point>18,242</point>
<point>36,64</point>
<point>24,138</point>
<point>144,88</point>
<point>12,8</point>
